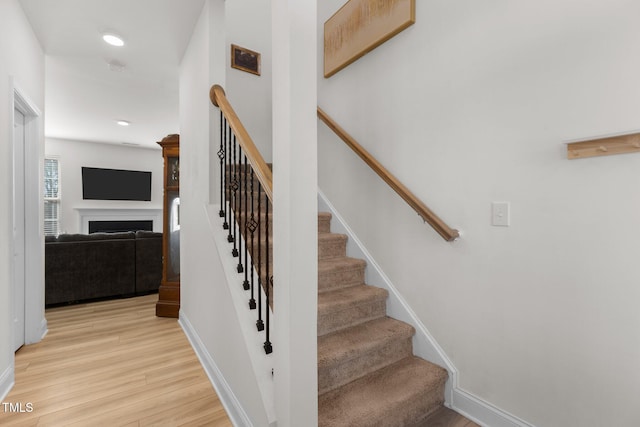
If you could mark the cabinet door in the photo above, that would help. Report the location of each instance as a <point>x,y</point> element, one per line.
<point>172,262</point>
<point>173,171</point>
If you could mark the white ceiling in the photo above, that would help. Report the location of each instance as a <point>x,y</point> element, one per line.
<point>83,97</point>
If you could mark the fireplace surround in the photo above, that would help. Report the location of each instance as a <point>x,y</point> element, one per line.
<point>87,215</point>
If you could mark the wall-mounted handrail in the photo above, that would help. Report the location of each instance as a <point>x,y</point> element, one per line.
<point>262,171</point>
<point>447,233</point>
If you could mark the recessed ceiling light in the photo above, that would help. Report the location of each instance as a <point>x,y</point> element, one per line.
<point>123,123</point>
<point>113,39</point>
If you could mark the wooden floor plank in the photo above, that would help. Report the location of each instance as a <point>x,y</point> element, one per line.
<point>445,417</point>
<point>112,363</point>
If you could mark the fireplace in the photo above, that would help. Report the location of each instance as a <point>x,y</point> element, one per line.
<point>118,226</point>
<point>116,216</point>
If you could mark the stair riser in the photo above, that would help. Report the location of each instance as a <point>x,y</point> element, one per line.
<point>331,248</point>
<point>340,279</point>
<point>332,321</point>
<point>324,225</point>
<point>418,407</point>
<point>334,376</point>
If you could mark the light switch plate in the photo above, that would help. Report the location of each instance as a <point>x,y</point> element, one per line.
<point>500,214</point>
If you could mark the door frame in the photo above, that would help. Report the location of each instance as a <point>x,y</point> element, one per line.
<point>18,210</point>
<point>35,324</point>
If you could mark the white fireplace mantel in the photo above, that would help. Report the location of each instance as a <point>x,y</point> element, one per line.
<point>119,214</point>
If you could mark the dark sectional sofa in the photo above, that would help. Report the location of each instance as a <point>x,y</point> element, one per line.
<point>81,267</point>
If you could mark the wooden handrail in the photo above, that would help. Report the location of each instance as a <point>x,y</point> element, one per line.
<point>260,168</point>
<point>449,234</point>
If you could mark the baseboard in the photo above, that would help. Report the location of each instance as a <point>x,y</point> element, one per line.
<point>424,345</point>
<point>44,329</point>
<point>7,380</point>
<point>482,412</point>
<point>261,363</point>
<point>231,404</point>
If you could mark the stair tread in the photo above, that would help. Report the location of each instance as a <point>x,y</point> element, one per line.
<point>391,396</point>
<point>339,263</point>
<point>351,342</point>
<point>342,298</point>
<point>332,236</point>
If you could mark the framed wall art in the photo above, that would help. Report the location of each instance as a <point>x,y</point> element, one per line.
<point>360,26</point>
<point>245,59</point>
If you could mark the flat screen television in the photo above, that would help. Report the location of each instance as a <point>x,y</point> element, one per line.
<point>115,184</point>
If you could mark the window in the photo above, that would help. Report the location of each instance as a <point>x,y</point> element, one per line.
<point>51,197</point>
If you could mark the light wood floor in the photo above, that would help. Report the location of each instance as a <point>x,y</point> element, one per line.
<point>112,363</point>
<point>445,417</point>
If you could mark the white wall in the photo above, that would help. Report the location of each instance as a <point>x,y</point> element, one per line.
<point>248,25</point>
<point>21,57</point>
<point>205,299</point>
<point>473,104</point>
<point>295,229</point>
<point>73,155</point>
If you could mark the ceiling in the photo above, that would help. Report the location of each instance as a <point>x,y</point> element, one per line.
<point>84,97</point>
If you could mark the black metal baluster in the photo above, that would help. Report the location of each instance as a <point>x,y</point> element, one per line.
<point>223,122</point>
<point>228,188</point>
<point>245,284</point>
<point>234,188</point>
<point>269,279</point>
<point>260,323</point>
<point>223,170</point>
<point>239,219</point>
<point>253,225</point>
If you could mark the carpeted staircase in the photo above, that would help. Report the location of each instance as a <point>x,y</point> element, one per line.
<point>367,373</point>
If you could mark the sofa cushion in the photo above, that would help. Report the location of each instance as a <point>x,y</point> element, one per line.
<point>141,234</point>
<point>95,236</point>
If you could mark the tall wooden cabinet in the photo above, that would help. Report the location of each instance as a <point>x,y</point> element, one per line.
<point>168,304</point>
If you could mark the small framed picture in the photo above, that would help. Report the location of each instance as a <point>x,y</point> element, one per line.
<point>245,60</point>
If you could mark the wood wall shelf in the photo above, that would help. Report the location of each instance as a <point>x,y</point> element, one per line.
<point>621,144</point>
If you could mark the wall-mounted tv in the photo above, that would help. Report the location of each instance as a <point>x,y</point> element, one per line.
<point>115,184</point>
